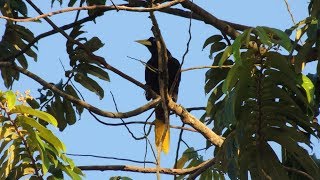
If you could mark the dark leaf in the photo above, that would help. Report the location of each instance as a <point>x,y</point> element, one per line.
<point>70,114</point>
<point>218,46</point>
<point>94,44</point>
<point>89,84</point>
<point>212,39</point>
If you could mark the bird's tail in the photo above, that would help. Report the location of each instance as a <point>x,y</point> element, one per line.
<point>159,129</point>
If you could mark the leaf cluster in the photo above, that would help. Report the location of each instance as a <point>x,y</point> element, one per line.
<point>27,148</point>
<point>258,100</point>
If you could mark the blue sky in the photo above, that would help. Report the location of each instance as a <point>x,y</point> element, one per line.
<point>119,30</point>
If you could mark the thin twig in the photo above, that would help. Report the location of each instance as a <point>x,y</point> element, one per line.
<point>206,67</point>
<point>226,38</point>
<point>199,171</point>
<point>125,125</point>
<point>289,11</point>
<point>108,157</point>
<point>178,149</point>
<point>115,6</point>
<point>78,12</point>
<point>176,77</point>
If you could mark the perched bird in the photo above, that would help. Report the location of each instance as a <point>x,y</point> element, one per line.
<point>151,77</point>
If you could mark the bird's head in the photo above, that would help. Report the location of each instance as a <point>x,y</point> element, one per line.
<point>150,44</point>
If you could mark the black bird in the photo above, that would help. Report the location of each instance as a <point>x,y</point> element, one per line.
<point>151,77</point>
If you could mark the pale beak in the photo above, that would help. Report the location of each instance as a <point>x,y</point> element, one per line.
<point>145,42</point>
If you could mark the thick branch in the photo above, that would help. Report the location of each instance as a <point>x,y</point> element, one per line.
<point>84,104</point>
<point>189,119</point>
<point>102,7</point>
<point>163,75</point>
<point>143,170</point>
<point>187,14</point>
<point>195,174</point>
<point>210,19</point>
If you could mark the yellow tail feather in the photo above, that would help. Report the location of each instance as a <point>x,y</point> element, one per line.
<point>159,129</point>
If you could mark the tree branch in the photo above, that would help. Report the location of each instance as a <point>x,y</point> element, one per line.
<point>123,7</point>
<point>189,119</point>
<point>108,157</point>
<point>84,104</point>
<point>210,19</point>
<point>46,34</point>
<point>206,67</point>
<point>195,174</point>
<point>143,170</point>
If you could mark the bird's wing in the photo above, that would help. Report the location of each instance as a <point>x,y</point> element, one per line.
<point>174,70</point>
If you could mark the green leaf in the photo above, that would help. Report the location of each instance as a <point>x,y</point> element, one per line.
<point>89,84</point>
<point>7,77</point>
<point>33,103</point>
<point>236,48</point>
<point>187,155</point>
<point>263,35</point>
<point>280,38</point>
<point>308,86</point>
<point>226,54</point>
<point>218,46</point>
<point>212,39</point>
<point>24,33</point>
<point>57,105</point>
<point>20,6</point>
<point>69,89</point>
<point>278,61</point>
<point>23,61</point>
<point>73,175</point>
<point>42,115</point>
<point>11,99</point>
<point>299,152</point>
<point>270,164</point>
<point>231,79</point>
<point>94,70</point>
<point>44,133</point>
<point>94,44</point>
<point>70,113</point>
<point>43,153</point>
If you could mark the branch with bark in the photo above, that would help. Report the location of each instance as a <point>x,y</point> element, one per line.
<point>128,168</point>
<point>124,7</point>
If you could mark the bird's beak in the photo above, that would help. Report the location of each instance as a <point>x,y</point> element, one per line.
<point>145,42</point>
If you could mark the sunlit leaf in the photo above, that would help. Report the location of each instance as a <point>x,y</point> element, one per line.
<point>44,133</point>
<point>11,99</point>
<point>308,86</point>
<point>40,114</point>
<point>226,54</point>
